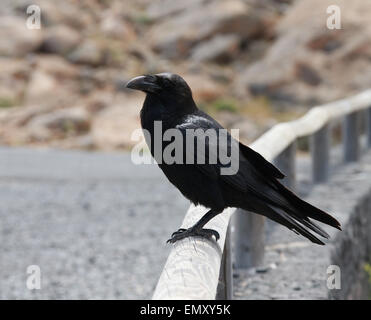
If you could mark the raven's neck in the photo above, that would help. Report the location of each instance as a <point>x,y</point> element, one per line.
<point>170,114</point>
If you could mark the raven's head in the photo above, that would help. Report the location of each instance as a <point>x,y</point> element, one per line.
<point>166,86</point>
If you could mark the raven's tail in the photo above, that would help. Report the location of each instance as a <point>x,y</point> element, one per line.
<point>304,209</point>
<point>297,225</point>
<point>288,209</point>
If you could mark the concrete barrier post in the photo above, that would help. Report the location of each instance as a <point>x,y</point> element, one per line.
<point>351,139</point>
<point>248,239</point>
<point>368,128</point>
<point>320,151</point>
<point>225,287</point>
<point>285,161</point>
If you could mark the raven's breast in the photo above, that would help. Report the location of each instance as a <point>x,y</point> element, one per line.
<point>194,185</point>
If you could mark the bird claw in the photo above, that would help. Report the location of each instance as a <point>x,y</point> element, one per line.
<point>184,233</point>
<point>179,231</point>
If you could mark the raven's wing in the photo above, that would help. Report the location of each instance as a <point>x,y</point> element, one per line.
<point>252,167</point>
<point>259,162</point>
<point>208,157</point>
<point>252,157</point>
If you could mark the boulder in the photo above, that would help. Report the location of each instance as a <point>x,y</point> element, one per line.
<point>89,52</point>
<point>112,128</point>
<point>47,89</point>
<point>41,124</point>
<point>85,142</point>
<point>14,75</point>
<point>71,14</point>
<point>41,85</point>
<point>18,117</point>
<point>15,39</point>
<point>164,8</point>
<point>204,89</point>
<point>248,129</point>
<point>59,124</point>
<point>56,66</point>
<point>113,26</point>
<point>60,39</point>
<point>220,49</point>
<point>175,37</point>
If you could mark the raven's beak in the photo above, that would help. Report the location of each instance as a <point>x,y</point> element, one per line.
<point>143,83</point>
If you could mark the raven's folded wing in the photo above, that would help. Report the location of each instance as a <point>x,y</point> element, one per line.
<point>210,156</point>
<point>259,162</point>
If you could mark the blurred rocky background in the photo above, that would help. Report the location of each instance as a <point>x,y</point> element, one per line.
<point>250,63</point>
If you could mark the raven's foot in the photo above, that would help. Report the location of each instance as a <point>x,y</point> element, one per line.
<point>191,232</point>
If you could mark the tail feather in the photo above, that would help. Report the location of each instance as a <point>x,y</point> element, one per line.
<point>285,207</point>
<point>305,209</point>
<point>314,227</point>
<point>284,218</point>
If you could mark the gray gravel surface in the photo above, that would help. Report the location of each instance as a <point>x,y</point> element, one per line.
<point>94,223</point>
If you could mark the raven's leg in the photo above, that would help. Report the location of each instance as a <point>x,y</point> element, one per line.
<point>197,229</point>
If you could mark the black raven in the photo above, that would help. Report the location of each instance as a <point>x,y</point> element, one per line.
<point>254,187</point>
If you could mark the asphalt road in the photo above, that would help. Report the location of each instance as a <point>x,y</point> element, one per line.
<point>95,224</point>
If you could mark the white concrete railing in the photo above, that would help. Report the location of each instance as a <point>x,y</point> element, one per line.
<point>201,269</point>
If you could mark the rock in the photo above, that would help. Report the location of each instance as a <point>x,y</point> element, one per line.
<point>112,128</point>
<point>325,42</point>
<point>257,49</point>
<point>306,64</point>
<point>15,39</point>
<point>248,130</point>
<point>56,66</point>
<point>147,58</point>
<point>228,119</point>
<point>69,14</point>
<point>14,75</point>
<point>46,89</point>
<point>92,80</point>
<point>99,100</point>
<point>41,85</point>
<point>113,26</point>
<point>85,142</point>
<point>203,88</point>
<point>60,39</point>
<point>174,37</point>
<point>19,116</point>
<point>89,52</point>
<point>41,124</point>
<point>307,74</point>
<point>59,124</point>
<point>218,49</point>
<point>162,9</point>
<point>262,269</point>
